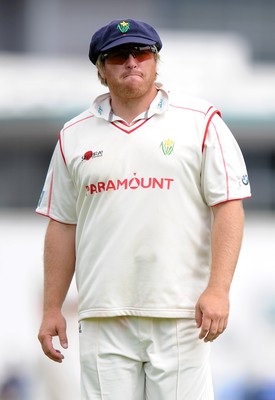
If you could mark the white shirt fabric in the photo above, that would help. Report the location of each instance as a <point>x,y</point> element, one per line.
<point>141,196</point>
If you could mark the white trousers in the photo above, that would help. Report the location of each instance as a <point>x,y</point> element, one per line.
<point>136,358</point>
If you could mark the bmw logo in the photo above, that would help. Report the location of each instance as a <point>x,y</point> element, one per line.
<point>245,179</point>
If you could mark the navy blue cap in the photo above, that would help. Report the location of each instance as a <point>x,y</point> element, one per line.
<point>119,32</point>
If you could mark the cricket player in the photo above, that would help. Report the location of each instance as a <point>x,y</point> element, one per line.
<point>144,198</point>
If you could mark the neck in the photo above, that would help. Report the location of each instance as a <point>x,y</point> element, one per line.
<point>129,108</point>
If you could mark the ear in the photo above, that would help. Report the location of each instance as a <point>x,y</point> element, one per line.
<point>101,76</point>
<point>101,72</point>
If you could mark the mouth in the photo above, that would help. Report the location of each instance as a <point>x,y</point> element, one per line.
<point>132,74</point>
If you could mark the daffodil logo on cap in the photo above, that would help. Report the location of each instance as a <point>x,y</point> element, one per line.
<point>123,26</point>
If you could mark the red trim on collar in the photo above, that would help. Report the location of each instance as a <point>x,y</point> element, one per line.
<point>129,129</point>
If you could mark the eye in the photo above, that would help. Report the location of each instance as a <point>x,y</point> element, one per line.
<point>119,56</point>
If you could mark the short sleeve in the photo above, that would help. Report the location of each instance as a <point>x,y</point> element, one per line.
<point>58,197</point>
<point>224,175</point>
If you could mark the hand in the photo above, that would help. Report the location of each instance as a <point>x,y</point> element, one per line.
<point>212,311</point>
<point>53,324</point>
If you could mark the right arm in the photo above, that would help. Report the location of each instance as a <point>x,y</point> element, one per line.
<point>59,267</point>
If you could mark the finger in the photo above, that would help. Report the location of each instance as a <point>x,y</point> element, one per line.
<point>222,326</point>
<point>213,331</point>
<point>63,339</point>
<point>49,350</point>
<point>198,316</point>
<point>205,327</point>
<point>54,354</point>
<point>216,329</point>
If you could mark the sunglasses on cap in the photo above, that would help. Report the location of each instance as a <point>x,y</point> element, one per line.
<point>120,55</point>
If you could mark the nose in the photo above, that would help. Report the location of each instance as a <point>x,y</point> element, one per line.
<point>131,61</point>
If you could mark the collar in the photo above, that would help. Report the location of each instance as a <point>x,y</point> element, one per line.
<point>101,107</point>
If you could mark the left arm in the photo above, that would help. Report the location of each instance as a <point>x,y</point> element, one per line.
<point>212,308</point>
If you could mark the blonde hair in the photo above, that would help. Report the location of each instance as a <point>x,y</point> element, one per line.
<point>100,70</point>
<point>100,67</point>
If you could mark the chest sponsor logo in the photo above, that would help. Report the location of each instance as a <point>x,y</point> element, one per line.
<point>167,146</point>
<point>91,154</point>
<point>133,183</point>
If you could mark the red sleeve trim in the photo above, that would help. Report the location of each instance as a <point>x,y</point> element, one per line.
<point>227,200</point>
<point>54,219</point>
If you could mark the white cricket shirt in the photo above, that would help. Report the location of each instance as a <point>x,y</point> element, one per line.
<point>140,195</point>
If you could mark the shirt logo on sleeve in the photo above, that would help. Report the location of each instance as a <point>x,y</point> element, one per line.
<point>245,180</point>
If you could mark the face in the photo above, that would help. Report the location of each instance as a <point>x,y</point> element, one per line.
<point>130,71</point>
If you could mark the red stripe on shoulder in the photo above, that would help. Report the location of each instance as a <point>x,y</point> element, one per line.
<point>77,122</point>
<point>208,123</point>
<point>187,108</point>
<point>67,127</point>
<point>61,148</point>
